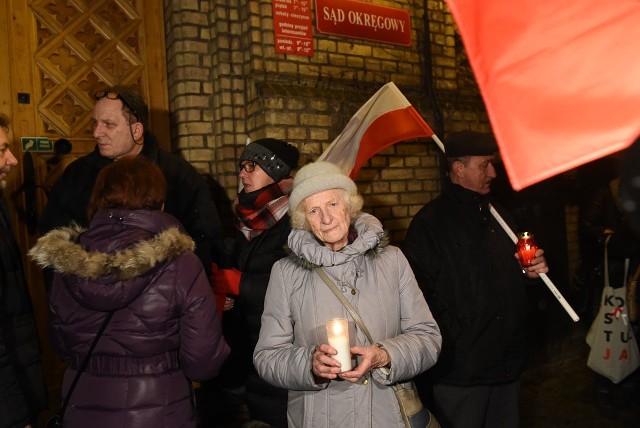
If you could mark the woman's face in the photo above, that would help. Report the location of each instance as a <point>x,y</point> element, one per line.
<point>329,218</point>
<point>253,177</point>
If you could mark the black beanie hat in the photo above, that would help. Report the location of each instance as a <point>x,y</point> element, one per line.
<point>276,157</point>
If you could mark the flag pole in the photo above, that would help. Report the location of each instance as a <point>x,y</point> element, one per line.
<point>543,276</point>
<point>435,138</point>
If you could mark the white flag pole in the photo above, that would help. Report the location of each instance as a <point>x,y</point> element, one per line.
<point>435,138</point>
<point>543,276</point>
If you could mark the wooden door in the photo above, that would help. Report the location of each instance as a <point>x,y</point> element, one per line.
<point>54,55</point>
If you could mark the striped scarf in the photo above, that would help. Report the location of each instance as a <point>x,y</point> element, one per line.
<point>260,210</point>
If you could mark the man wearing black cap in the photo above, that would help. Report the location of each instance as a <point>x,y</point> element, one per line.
<point>264,169</point>
<point>466,266</point>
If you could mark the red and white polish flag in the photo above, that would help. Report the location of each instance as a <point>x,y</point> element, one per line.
<point>385,119</point>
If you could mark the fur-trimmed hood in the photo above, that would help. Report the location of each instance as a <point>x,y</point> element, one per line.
<point>60,251</point>
<point>111,263</point>
<point>305,250</point>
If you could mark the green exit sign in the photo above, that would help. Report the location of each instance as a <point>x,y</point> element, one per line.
<point>36,144</point>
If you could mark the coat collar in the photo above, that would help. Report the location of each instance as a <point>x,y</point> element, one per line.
<point>60,250</point>
<point>305,251</point>
<point>464,195</point>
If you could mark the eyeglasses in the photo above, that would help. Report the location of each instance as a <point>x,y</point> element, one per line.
<point>113,95</point>
<point>248,166</point>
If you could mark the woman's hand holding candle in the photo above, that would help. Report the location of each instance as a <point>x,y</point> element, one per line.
<point>372,357</point>
<point>338,335</point>
<point>323,364</point>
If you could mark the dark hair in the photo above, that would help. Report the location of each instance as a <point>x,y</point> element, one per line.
<point>4,122</point>
<point>130,183</point>
<point>132,102</point>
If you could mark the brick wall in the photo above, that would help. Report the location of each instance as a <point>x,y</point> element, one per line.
<point>226,83</point>
<point>190,79</point>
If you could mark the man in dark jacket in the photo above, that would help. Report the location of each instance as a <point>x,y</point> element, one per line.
<point>466,266</point>
<point>120,129</point>
<point>22,390</point>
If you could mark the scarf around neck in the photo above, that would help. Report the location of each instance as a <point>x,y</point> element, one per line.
<point>260,210</point>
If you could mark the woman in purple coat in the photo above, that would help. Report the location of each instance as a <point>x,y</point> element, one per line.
<point>138,262</point>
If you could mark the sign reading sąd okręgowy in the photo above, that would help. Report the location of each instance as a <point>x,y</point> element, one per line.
<point>361,20</point>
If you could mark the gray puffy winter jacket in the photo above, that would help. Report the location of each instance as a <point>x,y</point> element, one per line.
<point>378,282</point>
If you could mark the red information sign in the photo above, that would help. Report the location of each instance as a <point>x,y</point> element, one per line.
<point>364,21</point>
<point>292,27</point>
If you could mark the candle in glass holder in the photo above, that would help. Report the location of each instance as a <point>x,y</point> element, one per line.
<point>338,335</point>
<point>526,248</point>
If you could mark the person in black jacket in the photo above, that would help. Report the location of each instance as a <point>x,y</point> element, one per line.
<point>120,129</point>
<point>22,389</point>
<point>263,227</point>
<point>467,268</point>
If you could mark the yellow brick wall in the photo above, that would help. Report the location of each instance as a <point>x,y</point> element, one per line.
<point>227,83</point>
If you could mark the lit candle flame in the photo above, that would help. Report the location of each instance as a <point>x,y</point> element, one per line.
<point>337,328</point>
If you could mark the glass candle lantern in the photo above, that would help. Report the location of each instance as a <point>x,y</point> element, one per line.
<point>526,248</point>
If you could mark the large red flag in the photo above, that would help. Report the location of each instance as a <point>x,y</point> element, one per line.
<point>385,119</point>
<point>560,79</point>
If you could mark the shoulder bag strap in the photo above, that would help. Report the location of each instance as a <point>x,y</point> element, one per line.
<point>352,311</point>
<point>84,364</point>
<point>627,261</point>
<point>606,262</point>
<point>607,282</point>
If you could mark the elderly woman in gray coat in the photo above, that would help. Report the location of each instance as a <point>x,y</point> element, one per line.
<point>293,350</point>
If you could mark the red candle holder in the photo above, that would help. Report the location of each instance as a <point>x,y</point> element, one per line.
<point>526,248</point>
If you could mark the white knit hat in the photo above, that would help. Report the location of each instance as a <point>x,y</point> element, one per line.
<point>317,177</point>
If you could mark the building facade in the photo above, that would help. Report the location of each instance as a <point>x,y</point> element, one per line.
<point>213,77</point>
<point>227,83</point>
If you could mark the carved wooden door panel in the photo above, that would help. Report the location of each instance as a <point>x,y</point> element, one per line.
<point>85,46</point>
<point>60,52</point>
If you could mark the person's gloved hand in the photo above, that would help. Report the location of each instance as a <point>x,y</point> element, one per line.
<point>225,283</point>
